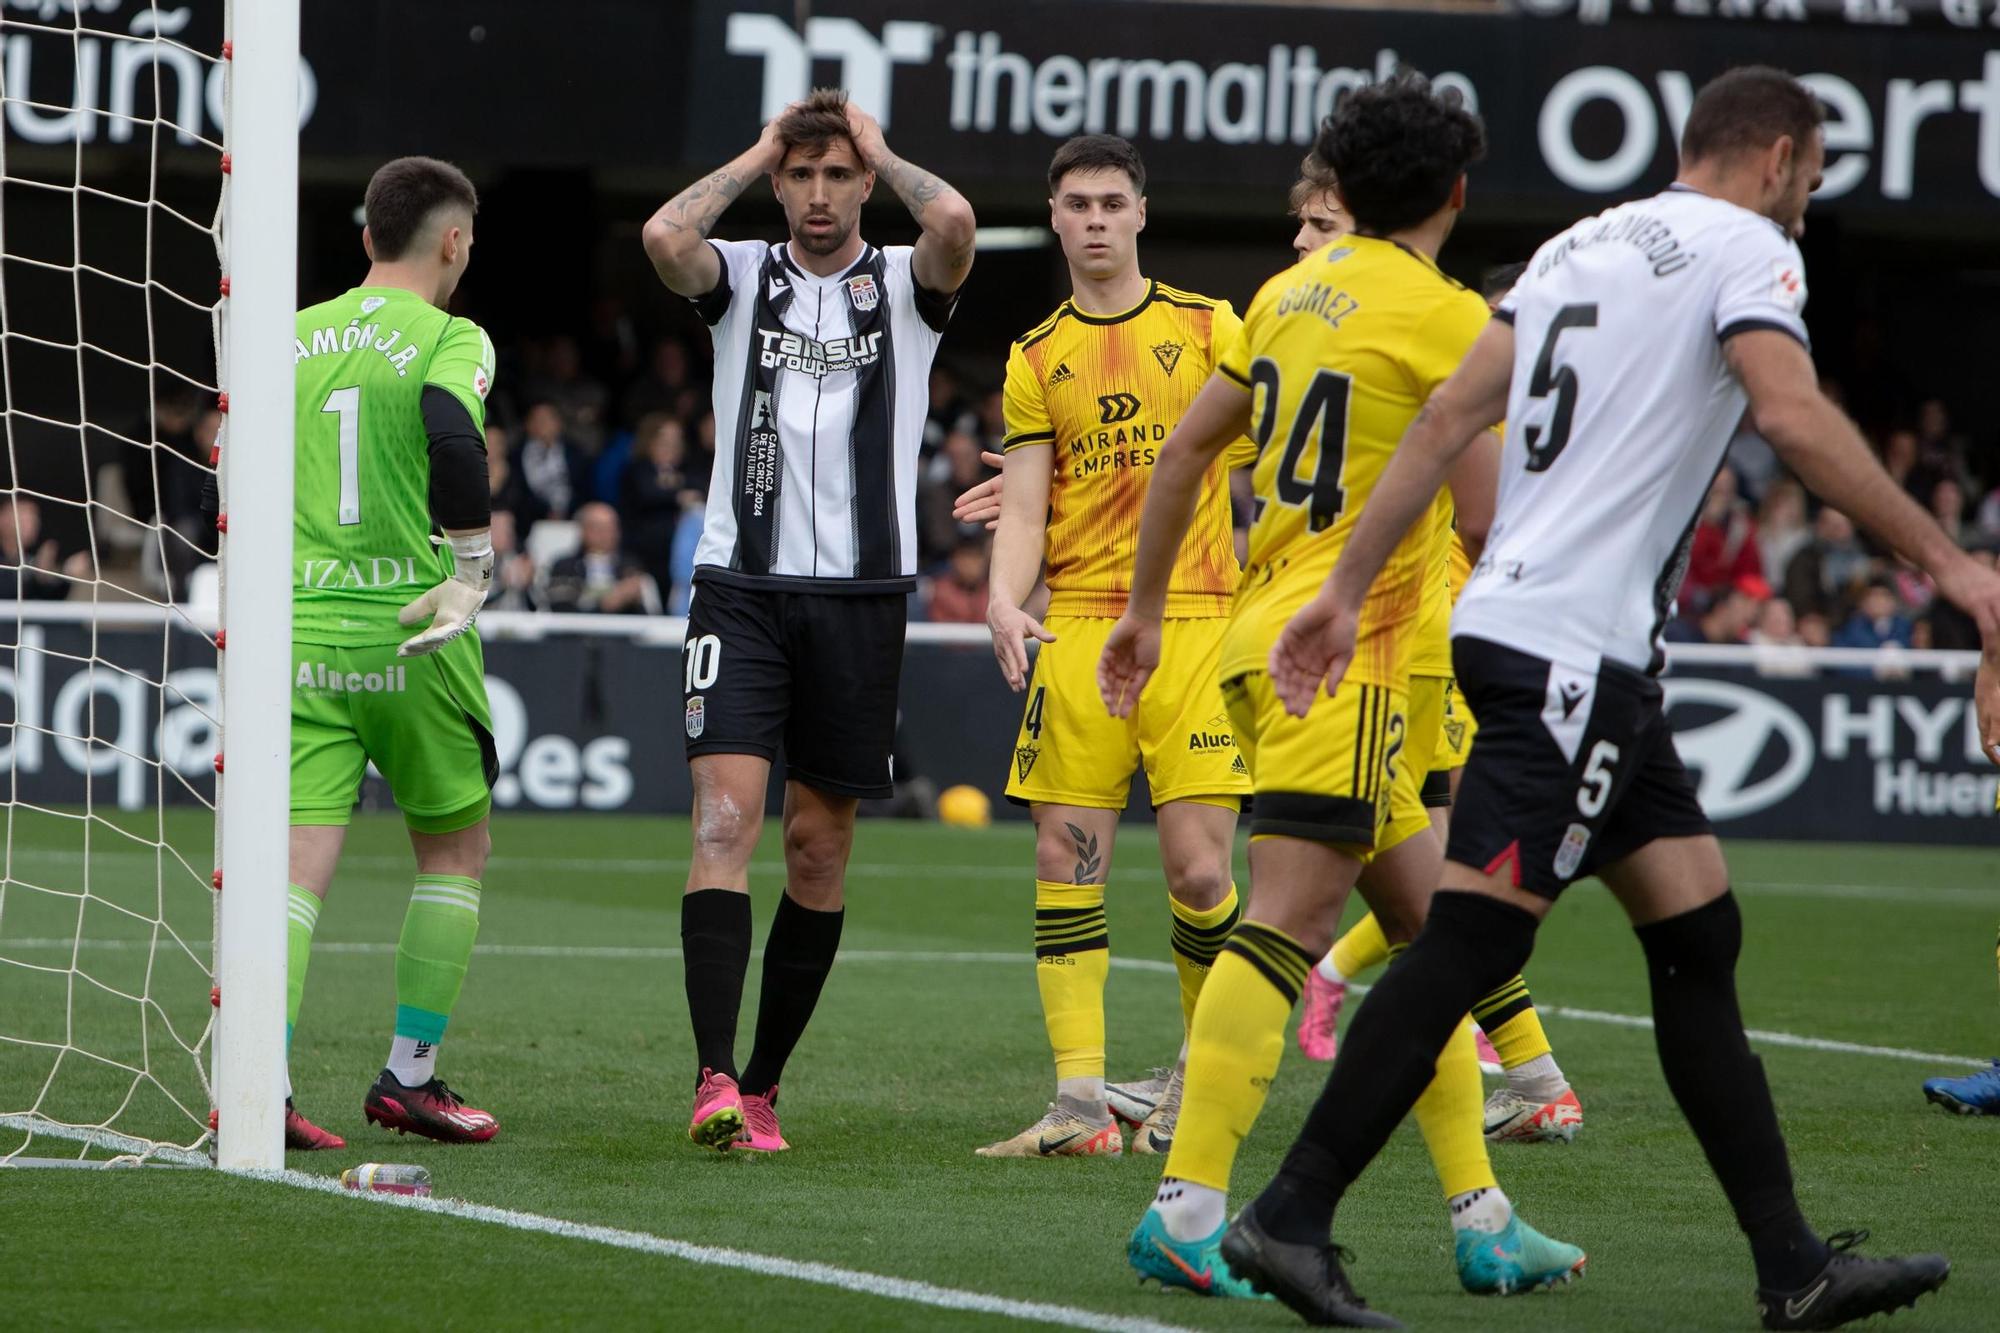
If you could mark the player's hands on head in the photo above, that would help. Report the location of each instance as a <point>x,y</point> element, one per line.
<point>1131,655</point>
<point>867,134</point>
<point>1011,628</point>
<point>981,503</point>
<point>1316,646</point>
<point>769,146</point>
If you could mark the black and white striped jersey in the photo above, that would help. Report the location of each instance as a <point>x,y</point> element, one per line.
<point>1621,409</point>
<point>821,388</point>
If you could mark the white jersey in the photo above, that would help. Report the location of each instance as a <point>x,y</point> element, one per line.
<point>821,390</point>
<point>1621,410</point>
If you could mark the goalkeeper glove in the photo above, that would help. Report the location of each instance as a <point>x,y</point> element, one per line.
<point>452,605</point>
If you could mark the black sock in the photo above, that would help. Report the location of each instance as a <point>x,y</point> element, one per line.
<point>715,949</point>
<point>1721,1089</point>
<point>1470,944</point>
<point>797,956</point>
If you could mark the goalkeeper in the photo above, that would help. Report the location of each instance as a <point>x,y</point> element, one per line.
<point>385,666</point>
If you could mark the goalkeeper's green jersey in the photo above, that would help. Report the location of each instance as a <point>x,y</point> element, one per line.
<point>361,543</point>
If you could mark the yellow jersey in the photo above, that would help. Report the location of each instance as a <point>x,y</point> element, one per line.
<point>1431,654</point>
<point>1106,391</point>
<point>1339,351</point>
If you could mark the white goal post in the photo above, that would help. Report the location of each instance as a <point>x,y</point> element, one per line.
<point>148,283</point>
<point>260,277</point>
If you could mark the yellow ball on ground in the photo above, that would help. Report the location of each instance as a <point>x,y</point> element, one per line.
<point>964,807</point>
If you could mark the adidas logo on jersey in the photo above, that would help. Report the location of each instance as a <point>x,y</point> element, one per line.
<point>1061,375</point>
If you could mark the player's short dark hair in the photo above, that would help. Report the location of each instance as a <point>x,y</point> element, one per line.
<point>1750,106</point>
<point>1098,152</point>
<point>1397,148</point>
<point>816,124</point>
<point>1315,179</point>
<point>403,194</point>
<point>1500,279</point>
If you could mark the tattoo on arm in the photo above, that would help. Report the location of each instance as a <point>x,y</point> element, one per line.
<point>1089,864</point>
<point>698,206</point>
<point>917,188</point>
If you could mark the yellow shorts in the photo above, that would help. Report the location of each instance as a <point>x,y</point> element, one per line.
<point>1070,751</point>
<point>1441,731</point>
<point>1340,775</point>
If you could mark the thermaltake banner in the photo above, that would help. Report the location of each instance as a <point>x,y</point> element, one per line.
<point>596,723</point>
<point>1230,96</point>
<point>1217,95</point>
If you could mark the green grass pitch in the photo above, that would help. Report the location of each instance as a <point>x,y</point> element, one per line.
<point>572,1029</point>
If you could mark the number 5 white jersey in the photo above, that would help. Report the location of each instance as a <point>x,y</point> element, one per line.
<point>1621,409</point>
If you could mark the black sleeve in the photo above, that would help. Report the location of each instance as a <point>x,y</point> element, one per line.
<point>932,307</point>
<point>461,496</point>
<point>713,304</point>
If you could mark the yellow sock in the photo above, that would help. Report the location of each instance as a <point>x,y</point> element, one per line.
<point>1450,1117</point>
<point>1073,958</point>
<point>1508,1018</point>
<point>1233,1050</point>
<point>1362,947</point>
<point>1198,935</point>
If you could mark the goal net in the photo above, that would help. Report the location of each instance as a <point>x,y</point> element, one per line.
<point>120,321</point>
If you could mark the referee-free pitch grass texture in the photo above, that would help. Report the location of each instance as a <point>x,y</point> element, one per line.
<point>914,1061</point>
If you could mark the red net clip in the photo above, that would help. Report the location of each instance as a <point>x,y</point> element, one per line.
<point>227,164</point>
<point>218,761</point>
<point>222,522</point>
<point>229,50</point>
<point>216,879</point>
<point>215,455</point>
<point>225,284</point>
<point>222,402</point>
<point>222,640</point>
<point>215,996</point>
<point>214,1117</point>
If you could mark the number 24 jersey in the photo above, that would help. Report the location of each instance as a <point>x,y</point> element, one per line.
<point>1339,352</point>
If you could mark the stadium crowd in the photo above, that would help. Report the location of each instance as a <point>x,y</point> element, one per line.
<point>601,452</point>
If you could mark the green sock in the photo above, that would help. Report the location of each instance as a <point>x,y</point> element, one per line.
<point>431,958</point>
<point>304,910</point>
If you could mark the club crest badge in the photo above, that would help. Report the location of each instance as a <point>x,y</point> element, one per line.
<point>1570,855</point>
<point>1168,355</point>
<point>697,717</point>
<point>862,291</point>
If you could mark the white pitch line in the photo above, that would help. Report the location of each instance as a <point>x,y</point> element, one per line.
<point>765,1265</point>
<point>664,953</point>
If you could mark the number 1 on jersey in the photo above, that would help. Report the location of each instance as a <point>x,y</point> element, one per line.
<point>347,402</point>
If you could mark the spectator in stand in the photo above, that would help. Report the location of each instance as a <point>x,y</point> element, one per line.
<point>655,498</point>
<point>611,351</point>
<point>1776,626</point>
<point>513,572</point>
<point>600,577</point>
<point>1877,621</point>
<point>667,376</point>
<point>701,457</point>
<point>1782,530</point>
<point>583,402</point>
<point>552,468</point>
<point>1899,459</point>
<point>946,409</point>
<point>1941,450</point>
<point>1728,617</point>
<point>34,578</point>
<point>1725,544</point>
<point>509,488</point>
<point>992,420</point>
<point>957,468</point>
<point>1989,518</point>
<point>958,595</point>
<point>1826,567</point>
<point>1815,631</point>
<point>1947,504</point>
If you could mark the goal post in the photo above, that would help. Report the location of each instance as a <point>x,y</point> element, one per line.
<point>148,282</point>
<point>259,252</point>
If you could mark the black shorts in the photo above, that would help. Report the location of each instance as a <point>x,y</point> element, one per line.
<point>814,672</point>
<point>1570,772</point>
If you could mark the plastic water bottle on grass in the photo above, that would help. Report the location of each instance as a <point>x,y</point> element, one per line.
<point>387,1178</point>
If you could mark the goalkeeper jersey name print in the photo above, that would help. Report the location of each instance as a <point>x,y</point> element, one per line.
<point>361,536</point>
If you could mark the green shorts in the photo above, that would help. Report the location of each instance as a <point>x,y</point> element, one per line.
<point>423,720</point>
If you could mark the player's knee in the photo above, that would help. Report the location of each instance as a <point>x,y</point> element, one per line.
<point>725,829</point>
<point>1199,882</point>
<point>816,852</point>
